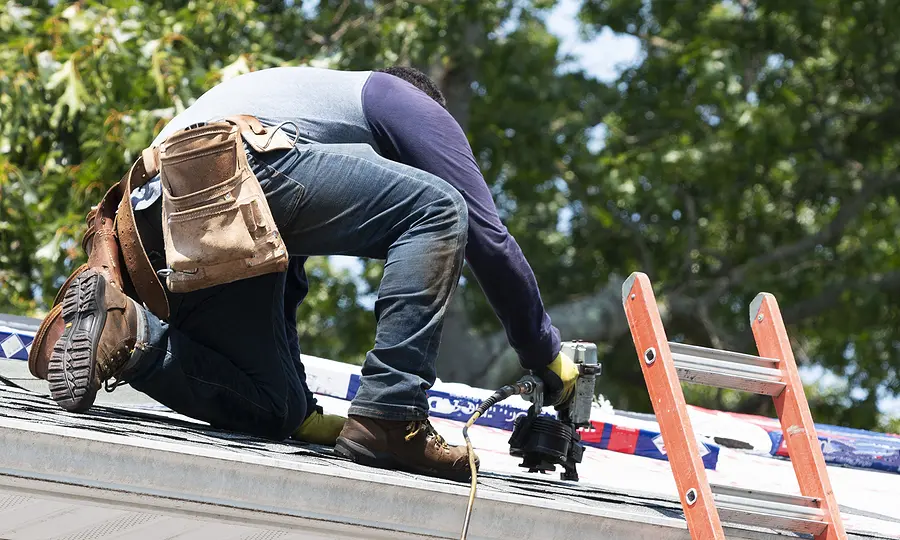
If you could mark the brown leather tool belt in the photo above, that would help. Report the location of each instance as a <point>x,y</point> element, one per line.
<point>217,225</point>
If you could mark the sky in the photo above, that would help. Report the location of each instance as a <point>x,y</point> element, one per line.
<point>603,57</point>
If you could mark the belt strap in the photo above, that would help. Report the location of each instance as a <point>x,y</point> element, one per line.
<point>258,136</point>
<point>146,283</point>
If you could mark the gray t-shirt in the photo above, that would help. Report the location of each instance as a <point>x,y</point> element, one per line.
<point>333,116</point>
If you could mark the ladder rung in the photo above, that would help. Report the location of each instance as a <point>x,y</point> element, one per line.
<point>768,510</point>
<point>726,369</point>
<point>795,500</point>
<point>723,355</point>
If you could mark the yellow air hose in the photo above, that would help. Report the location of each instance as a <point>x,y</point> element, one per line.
<point>524,386</point>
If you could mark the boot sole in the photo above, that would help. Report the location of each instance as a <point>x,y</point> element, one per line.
<point>358,453</point>
<point>72,366</point>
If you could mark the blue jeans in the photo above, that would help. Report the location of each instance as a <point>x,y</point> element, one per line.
<point>229,355</point>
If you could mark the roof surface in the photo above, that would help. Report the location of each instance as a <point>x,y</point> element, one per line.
<point>124,470</point>
<point>118,473</point>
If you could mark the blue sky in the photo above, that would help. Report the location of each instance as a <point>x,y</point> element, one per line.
<point>602,57</point>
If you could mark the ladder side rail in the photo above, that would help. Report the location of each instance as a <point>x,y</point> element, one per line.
<point>793,413</point>
<point>670,408</point>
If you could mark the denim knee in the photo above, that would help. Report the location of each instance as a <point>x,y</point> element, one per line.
<point>269,424</point>
<point>450,211</point>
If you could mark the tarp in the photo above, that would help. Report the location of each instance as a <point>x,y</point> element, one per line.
<point>14,343</point>
<point>840,445</point>
<point>455,401</point>
<point>618,431</point>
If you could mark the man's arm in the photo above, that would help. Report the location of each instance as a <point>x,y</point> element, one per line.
<point>413,129</point>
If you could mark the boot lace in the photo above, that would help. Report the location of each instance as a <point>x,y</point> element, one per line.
<point>424,426</point>
<point>113,368</point>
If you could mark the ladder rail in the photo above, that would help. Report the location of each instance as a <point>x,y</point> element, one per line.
<point>664,387</point>
<point>794,415</point>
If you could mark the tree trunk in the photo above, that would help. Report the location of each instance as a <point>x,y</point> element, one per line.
<point>456,74</point>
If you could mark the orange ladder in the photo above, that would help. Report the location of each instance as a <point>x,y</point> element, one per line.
<point>773,373</point>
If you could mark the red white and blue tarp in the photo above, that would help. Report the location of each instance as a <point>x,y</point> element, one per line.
<point>840,445</point>
<point>618,431</point>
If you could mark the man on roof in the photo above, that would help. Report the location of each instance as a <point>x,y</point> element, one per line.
<point>378,169</point>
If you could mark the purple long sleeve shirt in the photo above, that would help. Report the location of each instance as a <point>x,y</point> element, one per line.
<point>411,128</point>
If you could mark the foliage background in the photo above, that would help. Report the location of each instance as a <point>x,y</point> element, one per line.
<point>754,147</point>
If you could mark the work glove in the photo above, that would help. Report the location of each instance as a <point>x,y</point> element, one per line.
<point>559,380</point>
<point>320,428</point>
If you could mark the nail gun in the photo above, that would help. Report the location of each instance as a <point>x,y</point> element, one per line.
<point>543,441</point>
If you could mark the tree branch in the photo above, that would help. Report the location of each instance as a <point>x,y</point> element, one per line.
<point>830,297</point>
<point>339,14</point>
<point>350,24</point>
<point>847,213</point>
<point>716,336</point>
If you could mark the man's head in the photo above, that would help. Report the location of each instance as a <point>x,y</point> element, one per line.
<point>419,80</point>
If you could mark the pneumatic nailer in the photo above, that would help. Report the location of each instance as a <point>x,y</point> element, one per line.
<point>541,440</point>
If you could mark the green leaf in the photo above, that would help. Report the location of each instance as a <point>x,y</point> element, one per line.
<point>73,97</point>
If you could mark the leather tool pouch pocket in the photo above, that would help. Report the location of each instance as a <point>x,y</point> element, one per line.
<point>217,224</point>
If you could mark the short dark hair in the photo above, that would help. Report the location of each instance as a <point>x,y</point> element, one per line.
<point>419,80</point>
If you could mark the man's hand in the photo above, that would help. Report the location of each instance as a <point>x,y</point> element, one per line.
<point>559,380</point>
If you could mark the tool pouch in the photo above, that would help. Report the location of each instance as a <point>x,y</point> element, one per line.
<point>217,224</point>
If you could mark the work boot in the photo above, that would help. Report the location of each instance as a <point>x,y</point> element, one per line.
<point>408,446</point>
<point>320,428</point>
<point>99,337</point>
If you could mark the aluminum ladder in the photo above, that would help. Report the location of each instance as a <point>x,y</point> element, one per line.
<point>773,373</point>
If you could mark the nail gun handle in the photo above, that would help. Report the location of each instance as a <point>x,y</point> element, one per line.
<point>584,355</point>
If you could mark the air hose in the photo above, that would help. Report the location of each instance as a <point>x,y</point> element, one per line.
<point>526,385</point>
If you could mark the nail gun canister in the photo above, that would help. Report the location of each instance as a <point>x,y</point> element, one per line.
<point>584,354</point>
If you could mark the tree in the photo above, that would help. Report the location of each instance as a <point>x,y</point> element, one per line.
<point>751,149</point>
<point>754,148</point>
